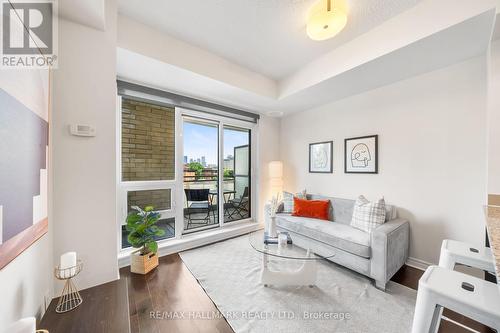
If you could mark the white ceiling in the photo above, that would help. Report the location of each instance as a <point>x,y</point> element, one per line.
<point>430,35</point>
<point>88,12</point>
<point>265,36</point>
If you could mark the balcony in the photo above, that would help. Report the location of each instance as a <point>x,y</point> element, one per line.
<point>201,208</point>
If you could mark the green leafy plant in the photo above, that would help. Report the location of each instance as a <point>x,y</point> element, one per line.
<point>196,167</point>
<point>228,173</point>
<point>141,225</point>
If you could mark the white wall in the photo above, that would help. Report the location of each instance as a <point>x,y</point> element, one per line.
<point>25,282</point>
<point>85,168</point>
<point>432,152</point>
<point>269,130</point>
<point>494,120</point>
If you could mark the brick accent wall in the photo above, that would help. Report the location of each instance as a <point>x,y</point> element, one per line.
<point>148,141</point>
<point>159,199</point>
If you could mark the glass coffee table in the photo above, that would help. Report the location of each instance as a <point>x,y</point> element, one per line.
<point>305,260</point>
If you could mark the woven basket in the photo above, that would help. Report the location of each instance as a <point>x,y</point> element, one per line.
<point>143,264</point>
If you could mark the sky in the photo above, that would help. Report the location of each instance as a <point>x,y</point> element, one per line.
<point>201,140</point>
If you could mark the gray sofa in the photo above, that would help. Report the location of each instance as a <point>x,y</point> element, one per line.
<point>378,255</point>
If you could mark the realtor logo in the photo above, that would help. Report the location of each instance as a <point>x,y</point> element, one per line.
<point>29,34</point>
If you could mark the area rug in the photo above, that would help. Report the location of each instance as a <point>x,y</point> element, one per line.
<point>342,301</point>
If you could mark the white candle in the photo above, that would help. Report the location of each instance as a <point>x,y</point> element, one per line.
<point>26,325</point>
<point>68,260</point>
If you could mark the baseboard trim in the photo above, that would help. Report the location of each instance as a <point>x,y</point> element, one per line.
<point>194,240</point>
<point>417,263</point>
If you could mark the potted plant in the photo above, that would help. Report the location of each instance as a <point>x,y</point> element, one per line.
<point>141,225</point>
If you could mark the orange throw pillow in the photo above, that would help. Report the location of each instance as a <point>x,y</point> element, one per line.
<point>317,209</point>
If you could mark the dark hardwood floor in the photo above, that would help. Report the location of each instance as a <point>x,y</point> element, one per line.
<point>171,290</point>
<point>171,287</point>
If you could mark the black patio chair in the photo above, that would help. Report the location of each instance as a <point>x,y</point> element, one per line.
<point>240,205</point>
<point>198,203</point>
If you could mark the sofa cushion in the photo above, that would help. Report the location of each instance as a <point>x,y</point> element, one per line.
<point>367,215</point>
<point>342,209</point>
<point>288,200</point>
<point>338,235</point>
<point>316,209</point>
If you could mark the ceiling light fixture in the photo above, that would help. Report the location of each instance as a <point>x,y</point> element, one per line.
<point>325,21</point>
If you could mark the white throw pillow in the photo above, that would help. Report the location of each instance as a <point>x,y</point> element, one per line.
<point>368,215</point>
<point>288,200</point>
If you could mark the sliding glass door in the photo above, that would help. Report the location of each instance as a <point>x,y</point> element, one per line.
<point>216,168</point>
<point>194,168</point>
<point>201,174</point>
<point>236,173</point>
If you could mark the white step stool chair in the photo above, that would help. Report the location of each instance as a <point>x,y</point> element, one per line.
<point>455,252</point>
<point>440,287</point>
<point>25,325</point>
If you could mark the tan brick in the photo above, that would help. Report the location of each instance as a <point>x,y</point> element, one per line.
<point>148,142</point>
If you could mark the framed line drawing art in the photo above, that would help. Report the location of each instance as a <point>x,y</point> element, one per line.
<point>321,157</point>
<point>361,154</point>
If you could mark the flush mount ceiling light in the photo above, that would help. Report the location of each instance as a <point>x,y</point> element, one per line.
<point>325,20</point>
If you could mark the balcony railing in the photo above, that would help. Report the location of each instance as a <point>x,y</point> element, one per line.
<point>233,188</point>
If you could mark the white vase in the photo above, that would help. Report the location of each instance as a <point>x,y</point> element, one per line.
<point>273,232</point>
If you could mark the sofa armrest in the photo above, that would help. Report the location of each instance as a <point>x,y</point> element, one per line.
<point>390,247</point>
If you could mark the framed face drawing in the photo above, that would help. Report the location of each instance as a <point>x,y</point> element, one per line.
<point>321,157</point>
<point>361,154</point>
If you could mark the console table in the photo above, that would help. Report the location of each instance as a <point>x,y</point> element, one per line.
<point>104,309</point>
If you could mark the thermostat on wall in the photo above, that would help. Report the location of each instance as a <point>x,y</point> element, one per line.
<point>82,130</point>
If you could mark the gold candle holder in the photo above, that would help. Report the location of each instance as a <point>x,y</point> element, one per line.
<point>70,297</point>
